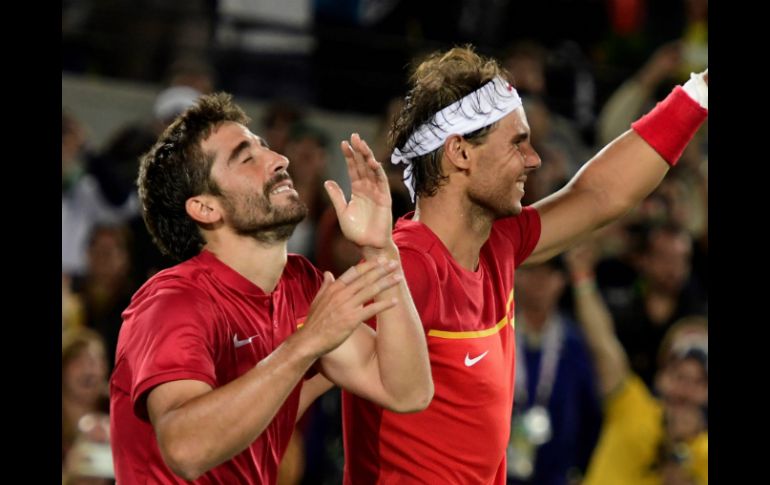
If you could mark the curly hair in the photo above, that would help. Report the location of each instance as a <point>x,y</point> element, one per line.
<point>176,168</point>
<point>441,79</point>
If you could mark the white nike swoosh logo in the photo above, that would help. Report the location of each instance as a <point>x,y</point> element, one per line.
<point>241,343</point>
<point>471,362</point>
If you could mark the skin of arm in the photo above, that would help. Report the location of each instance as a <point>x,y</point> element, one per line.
<point>609,358</point>
<point>198,427</point>
<point>390,366</point>
<point>606,187</point>
<point>312,389</point>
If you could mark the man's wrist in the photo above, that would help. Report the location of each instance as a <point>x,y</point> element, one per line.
<point>583,281</point>
<point>389,251</point>
<point>671,124</point>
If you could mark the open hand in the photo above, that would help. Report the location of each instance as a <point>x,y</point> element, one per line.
<point>366,220</point>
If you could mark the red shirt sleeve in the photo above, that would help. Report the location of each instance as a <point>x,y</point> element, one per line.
<point>421,274</point>
<point>173,339</point>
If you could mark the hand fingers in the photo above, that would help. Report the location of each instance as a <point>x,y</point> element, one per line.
<point>320,297</point>
<point>361,146</point>
<point>358,162</point>
<point>328,279</point>
<point>367,153</point>
<point>337,197</point>
<point>360,269</point>
<point>374,308</point>
<point>350,160</point>
<point>370,284</point>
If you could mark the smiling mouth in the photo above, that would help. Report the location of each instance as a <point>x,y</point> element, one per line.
<point>280,184</point>
<point>286,187</point>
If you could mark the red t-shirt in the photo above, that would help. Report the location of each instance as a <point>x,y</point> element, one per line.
<point>202,320</point>
<point>462,436</point>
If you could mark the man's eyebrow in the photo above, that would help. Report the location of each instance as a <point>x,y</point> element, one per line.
<point>237,151</point>
<point>263,142</point>
<point>520,137</point>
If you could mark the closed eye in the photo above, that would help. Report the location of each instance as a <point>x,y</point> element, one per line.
<point>519,139</point>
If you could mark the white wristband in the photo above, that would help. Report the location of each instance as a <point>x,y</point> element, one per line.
<point>697,89</point>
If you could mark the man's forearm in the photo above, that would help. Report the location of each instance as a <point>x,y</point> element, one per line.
<point>597,323</point>
<point>624,172</point>
<point>212,427</point>
<point>606,188</point>
<point>400,345</point>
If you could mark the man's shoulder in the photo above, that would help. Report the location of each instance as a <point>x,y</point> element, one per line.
<point>184,277</point>
<point>413,235</point>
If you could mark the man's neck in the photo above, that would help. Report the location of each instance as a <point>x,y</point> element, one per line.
<point>461,226</point>
<point>261,263</point>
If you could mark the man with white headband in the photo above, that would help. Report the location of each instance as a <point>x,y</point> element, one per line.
<point>464,137</point>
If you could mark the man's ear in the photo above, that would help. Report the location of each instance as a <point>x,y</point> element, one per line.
<point>457,152</point>
<point>204,209</point>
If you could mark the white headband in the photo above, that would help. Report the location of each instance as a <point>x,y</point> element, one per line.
<point>476,110</point>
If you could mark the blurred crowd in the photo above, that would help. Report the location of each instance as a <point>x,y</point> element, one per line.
<point>612,338</point>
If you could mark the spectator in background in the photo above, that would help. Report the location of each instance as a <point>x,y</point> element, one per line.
<point>637,94</point>
<point>695,37</point>
<point>277,122</point>
<point>171,102</point>
<point>557,416</point>
<point>662,293</point>
<point>106,288</point>
<point>307,148</point>
<point>116,166</point>
<point>83,202</point>
<point>644,438</point>
<point>192,71</point>
<point>115,169</point>
<point>84,382</point>
<point>89,462</point>
<point>72,312</point>
<point>187,79</point>
<point>334,251</point>
<point>525,61</point>
<point>73,144</point>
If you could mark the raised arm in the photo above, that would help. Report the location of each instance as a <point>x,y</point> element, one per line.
<point>198,427</point>
<point>389,366</point>
<point>610,360</point>
<point>622,173</point>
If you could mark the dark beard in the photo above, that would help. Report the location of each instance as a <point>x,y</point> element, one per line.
<point>256,217</point>
<point>490,206</point>
<point>275,224</point>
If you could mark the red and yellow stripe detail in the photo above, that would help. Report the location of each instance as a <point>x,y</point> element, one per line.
<point>478,333</point>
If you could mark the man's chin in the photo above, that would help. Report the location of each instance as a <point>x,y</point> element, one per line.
<point>512,211</point>
<point>284,222</point>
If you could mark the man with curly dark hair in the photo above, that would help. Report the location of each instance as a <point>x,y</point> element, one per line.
<point>214,352</point>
